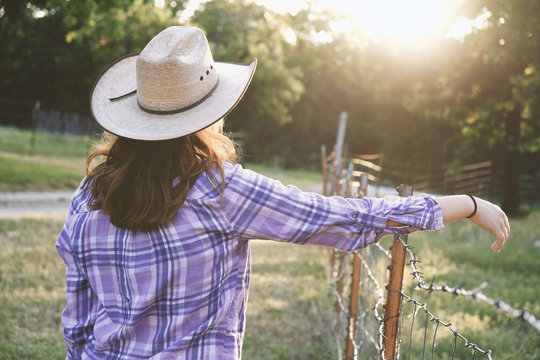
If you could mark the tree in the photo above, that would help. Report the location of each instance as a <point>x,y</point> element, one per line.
<point>239,31</point>
<point>477,99</point>
<point>499,86</point>
<point>336,78</point>
<point>55,49</point>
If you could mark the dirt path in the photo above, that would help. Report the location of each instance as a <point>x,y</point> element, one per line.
<point>77,164</point>
<point>29,204</point>
<point>48,203</point>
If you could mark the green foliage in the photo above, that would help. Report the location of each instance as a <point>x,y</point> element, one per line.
<point>501,85</point>
<point>501,94</point>
<point>479,103</point>
<point>454,103</point>
<point>57,48</point>
<point>336,78</point>
<point>239,32</point>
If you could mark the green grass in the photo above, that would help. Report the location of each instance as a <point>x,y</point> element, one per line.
<point>460,255</point>
<point>56,162</point>
<point>290,311</point>
<point>22,173</point>
<point>289,314</point>
<point>305,180</point>
<point>45,144</point>
<point>285,320</point>
<point>32,290</point>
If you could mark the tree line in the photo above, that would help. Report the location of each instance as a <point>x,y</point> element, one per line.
<point>462,101</point>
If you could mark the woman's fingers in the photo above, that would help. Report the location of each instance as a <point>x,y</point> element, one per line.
<point>504,233</point>
<point>499,242</point>
<point>507,224</point>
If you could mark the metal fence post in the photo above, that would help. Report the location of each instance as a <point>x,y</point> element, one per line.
<point>324,170</point>
<point>340,139</point>
<point>394,286</point>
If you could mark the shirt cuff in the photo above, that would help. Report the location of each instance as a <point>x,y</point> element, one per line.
<point>423,213</point>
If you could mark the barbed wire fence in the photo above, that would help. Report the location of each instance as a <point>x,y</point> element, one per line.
<point>368,326</point>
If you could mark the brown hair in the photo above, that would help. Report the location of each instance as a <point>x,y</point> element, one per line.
<point>142,184</point>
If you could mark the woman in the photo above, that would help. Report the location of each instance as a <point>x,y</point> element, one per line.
<point>156,243</point>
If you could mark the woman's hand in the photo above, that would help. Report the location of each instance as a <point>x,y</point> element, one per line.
<point>490,217</point>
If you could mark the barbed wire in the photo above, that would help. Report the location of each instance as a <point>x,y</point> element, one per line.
<point>379,301</point>
<point>429,316</point>
<point>475,294</point>
<point>337,276</point>
<point>376,310</point>
<point>343,322</point>
<point>351,322</point>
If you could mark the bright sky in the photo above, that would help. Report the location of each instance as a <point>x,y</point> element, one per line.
<point>404,23</point>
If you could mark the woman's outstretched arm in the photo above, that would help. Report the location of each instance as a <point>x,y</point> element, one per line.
<point>488,216</point>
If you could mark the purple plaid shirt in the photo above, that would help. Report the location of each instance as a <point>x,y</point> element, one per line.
<point>180,292</point>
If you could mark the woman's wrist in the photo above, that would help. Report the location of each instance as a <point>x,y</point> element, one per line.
<point>455,207</point>
<point>475,206</point>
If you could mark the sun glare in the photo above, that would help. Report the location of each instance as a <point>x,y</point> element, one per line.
<point>403,23</point>
<point>399,23</point>
<point>463,27</point>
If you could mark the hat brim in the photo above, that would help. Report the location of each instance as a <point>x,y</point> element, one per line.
<point>124,117</point>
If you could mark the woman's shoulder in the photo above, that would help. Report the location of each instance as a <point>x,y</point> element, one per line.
<point>81,197</point>
<point>209,185</point>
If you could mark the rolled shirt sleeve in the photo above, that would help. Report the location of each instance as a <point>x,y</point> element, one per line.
<point>261,208</point>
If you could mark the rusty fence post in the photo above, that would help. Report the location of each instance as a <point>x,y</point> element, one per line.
<point>350,352</point>
<point>393,295</point>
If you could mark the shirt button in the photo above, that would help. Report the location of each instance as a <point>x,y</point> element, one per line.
<point>428,224</point>
<point>354,215</point>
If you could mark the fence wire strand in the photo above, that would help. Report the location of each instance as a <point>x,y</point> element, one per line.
<point>362,338</point>
<point>475,294</point>
<point>358,329</point>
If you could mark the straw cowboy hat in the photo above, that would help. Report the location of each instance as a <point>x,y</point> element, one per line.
<point>171,89</point>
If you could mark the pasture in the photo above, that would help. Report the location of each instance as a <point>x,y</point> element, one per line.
<point>290,311</point>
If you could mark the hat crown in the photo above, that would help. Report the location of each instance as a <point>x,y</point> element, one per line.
<point>175,70</point>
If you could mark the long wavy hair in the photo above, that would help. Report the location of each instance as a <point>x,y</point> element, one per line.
<point>142,184</point>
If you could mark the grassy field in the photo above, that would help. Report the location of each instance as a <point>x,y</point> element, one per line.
<point>290,313</point>
<point>460,255</point>
<point>54,162</point>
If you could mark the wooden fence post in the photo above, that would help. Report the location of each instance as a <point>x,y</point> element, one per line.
<point>393,295</point>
